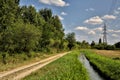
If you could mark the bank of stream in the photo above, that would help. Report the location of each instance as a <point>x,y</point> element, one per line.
<point>93,74</point>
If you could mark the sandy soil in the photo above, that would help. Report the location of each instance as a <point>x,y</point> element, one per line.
<point>21,72</point>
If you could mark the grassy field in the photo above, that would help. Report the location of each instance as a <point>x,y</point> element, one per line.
<point>108,53</point>
<point>65,68</point>
<point>109,67</point>
<point>18,60</point>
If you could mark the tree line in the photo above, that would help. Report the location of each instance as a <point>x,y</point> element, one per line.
<point>23,29</point>
<point>104,46</point>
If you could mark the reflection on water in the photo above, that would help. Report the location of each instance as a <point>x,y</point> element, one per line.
<point>92,73</point>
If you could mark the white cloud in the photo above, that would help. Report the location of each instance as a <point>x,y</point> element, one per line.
<point>117,31</point>
<point>63,13</point>
<point>92,32</point>
<point>98,29</point>
<point>90,9</point>
<point>60,3</point>
<point>116,12</point>
<point>115,35</point>
<point>81,28</point>
<point>94,20</point>
<point>109,17</point>
<point>118,8</point>
<point>61,18</point>
<point>114,31</point>
<point>33,5</point>
<point>110,30</point>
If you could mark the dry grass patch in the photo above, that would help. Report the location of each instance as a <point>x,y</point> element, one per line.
<point>108,53</point>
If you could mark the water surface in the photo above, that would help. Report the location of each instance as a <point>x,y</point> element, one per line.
<point>92,73</point>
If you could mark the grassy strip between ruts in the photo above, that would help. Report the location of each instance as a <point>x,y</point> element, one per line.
<point>65,68</point>
<point>108,68</point>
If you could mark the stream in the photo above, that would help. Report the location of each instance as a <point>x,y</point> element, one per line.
<point>92,73</point>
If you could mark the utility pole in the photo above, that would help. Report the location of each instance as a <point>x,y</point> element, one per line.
<point>104,34</point>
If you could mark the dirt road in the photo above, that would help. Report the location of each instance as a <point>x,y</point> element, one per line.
<point>19,73</point>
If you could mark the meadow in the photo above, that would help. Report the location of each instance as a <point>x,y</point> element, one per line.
<point>108,67</point>
<point>65,68</point>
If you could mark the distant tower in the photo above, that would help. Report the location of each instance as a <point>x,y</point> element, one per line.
<point>104,33</point>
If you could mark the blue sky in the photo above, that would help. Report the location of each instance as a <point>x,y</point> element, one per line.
<point>85,17</point>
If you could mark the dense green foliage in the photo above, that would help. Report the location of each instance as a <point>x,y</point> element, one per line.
<point>108,67</point>
<point>104,46</point>
<point>65,68</point>
<point>92,44</point>
<point>23,29</point>
<point>117,45</point>
<point>71,39</point>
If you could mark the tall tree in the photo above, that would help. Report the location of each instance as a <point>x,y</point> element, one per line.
<point>117,45</point>
<point>100,41</point>
<point>21,38</point>
<point>92,44</point>
<point>29,14</point>
<point>70,37</point>
<point>8,9</point>
<point>46,14</point>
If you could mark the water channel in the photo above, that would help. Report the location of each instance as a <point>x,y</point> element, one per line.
<point>92,73</point>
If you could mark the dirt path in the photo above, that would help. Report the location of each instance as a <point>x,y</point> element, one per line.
<point>19,73</point>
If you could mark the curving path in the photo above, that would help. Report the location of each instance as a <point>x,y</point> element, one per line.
<point>21,72</point>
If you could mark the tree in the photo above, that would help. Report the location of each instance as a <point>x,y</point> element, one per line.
<point>23,29</point>
<point>20,38</point>
<point>70,37</point>
<point>92,44</point>
<point>8,9</point>
<point>100,41</point>
<point>46,14</point>
<point>85,44</point>
<point>29,14</point>
<point>117,45</point>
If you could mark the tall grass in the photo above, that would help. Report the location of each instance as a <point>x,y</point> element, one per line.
<point>65,68</point>
<point>17,60</point>
<point>108,67</point>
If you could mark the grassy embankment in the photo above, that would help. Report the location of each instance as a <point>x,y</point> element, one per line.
<point>17,60</point>
<point>65,68</point>
<point>108,67</point>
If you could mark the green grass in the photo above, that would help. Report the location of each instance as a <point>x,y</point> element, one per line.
<point>65,68</point>
<point>18,60</point>
<point>110,68</point>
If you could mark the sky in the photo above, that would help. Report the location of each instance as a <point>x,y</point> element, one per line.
<point>85,18</point>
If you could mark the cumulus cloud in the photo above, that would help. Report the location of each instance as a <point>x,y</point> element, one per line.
<point>115,35</point>
<point>114,31</point>
<point>98,29</point>
<point>118,8</point>
<point>90,9</point>
<point>116,12</point>
<point>60,3</point>
<point>118,31</point>
<point>61,18</point>
<point>106,17</point>
<point>81,28</point>
<point>32,5</point>
<point>94,20</point>
<point>63,13</point>
<point>92,32</point>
